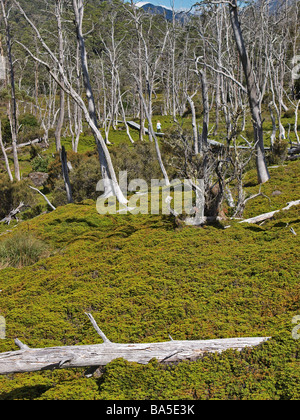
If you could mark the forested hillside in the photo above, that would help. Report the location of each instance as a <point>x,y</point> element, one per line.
<point>93,92</point>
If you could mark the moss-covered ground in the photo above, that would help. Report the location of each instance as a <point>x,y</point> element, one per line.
<point>144,278</point>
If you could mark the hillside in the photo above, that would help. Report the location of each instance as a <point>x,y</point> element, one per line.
<point>105,96</point>
<point>143,278</point>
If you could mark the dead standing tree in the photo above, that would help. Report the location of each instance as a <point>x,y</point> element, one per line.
<point>13,112</point>
<point>61,115</point>
<point>253,93</point>
<point>108,173</point>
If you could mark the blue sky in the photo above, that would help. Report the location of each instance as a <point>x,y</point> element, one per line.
<point>178,4</point>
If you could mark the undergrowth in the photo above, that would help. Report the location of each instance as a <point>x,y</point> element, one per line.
<point>144,278</point>
<point>21,250</point>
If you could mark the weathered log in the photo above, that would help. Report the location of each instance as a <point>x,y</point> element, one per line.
<point>269,215</point>
<point>13,214</point>
<point>36,359</point>
<point>31,360</point>
<point>294,150</point>
<point>19,146</point>
<point>43,195</point>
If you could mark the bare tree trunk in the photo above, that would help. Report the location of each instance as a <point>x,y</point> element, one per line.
<point>14,123</point>
<point>107,170</point>
<point>204,87</point>
<point>194,123</point>
<point>152,133</point>
<point>273,135</point>
<point>35,359</point>
<point>65,171</point>
<point>44,197</point>
<point>269,215</point>
<point>77,109</point>
<point>61,115</point>
<point>296,122</point>
<point>5,156</point>
<point>253,95</point>
<point>78,11</point>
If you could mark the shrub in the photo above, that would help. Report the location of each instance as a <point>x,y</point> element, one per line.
<point>12,193</point>
<point>279,152</point>
<point>29,128</point>
<point>140,161</point>
<point>40,164</point>
<point>83,178</point>
<point>22,250</point>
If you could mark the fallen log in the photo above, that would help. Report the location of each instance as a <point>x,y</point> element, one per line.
<point>43,195</point>
<point>13,214</point>
<point>294,150</point>
<point>29,143</point>
<point>269,215</point>
<point>36,359</point>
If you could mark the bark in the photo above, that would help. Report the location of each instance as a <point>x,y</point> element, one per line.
<point>35,359</point>
<point>253,95</point>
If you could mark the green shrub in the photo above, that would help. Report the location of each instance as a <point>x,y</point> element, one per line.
<point>140,161</point>
<point>83,178</point>
<point>279,152</point>
<point>12,193</point>
<point>40,164</point>
<point>29,128</point>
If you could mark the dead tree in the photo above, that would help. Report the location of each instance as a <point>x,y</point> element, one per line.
<point>36,359</point>
<point>65,171</point>
<point>269,215</point>
<point>13,214</point>
<point>5,156</point>
<point>60,121</point>
<point>13,116</point>
<point>253,94</point>
<point>107,170</point>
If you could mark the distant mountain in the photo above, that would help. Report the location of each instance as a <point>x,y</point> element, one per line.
<point>161,10</point>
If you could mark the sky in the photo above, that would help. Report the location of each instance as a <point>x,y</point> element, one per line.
<point>178,4</point>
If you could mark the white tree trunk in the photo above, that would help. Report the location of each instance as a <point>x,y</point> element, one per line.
<point>13,116</point>
<point>61,115</point>
<point>5,156</point>
<point>31,360</point>
<point>194,123</point>
<point>253,95</point>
